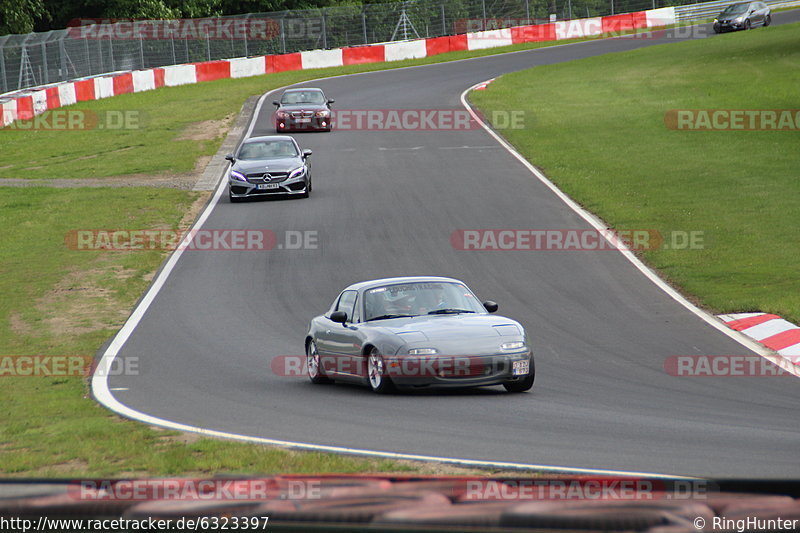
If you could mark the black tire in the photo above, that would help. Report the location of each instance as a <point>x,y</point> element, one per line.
<point>747,25</point>
<point>522,385</point>
<point>716,28</point>
<point>377,377</point>
<point>767,21</point>
<point>232,198</point>
<point>316,373</point>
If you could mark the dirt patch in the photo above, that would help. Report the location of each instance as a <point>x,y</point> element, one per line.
<point>18,325</point>
<point>78,303</point>
<point>206,130</point>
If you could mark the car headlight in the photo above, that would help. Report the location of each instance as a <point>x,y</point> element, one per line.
<point>715,21</point>
<point>323,113</point>
<point>281,114</point>
<point>235,174</point>
<point>422,351</point>
<point>738,19</point>
<point>516,345</point>
<point>297,172</point>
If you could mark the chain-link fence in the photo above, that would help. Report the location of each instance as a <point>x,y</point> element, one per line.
<point>89,48</point>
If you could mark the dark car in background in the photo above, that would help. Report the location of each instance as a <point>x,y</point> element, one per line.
<point>743,16</point>
<point>268,166</point>
<point>305,109</point>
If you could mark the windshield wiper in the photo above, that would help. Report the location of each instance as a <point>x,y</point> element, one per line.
<point>382,317</point>
<point>449,311</point>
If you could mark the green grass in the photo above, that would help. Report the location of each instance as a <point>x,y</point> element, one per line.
<point>59,301</point>
<point>598,131</point>
<point>163,115</point>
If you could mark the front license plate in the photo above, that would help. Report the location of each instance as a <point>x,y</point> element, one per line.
<point>521,368</point>
<point>303,120</point>
<point>268,185</point>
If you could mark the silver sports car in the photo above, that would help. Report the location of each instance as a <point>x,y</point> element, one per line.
<point>416,332</point>
<point>268,166</point>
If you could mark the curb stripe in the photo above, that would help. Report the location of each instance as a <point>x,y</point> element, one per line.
<point>744,323</point>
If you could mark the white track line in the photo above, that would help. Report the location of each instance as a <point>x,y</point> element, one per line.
<point>628,254</point>
<point>103,395</point>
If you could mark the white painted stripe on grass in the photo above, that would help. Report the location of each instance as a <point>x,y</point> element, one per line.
<point>793,352</point>
<point>628,254</point>
<point>737,316</point>
<point>768,329</point>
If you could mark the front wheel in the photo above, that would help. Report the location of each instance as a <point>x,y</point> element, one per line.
<point>314,365</point>
<point>379,380</point>
<point>747,24</point>
<point>767,20</point>
<point>524,384</point>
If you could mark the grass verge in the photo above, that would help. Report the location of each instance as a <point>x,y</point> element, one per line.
<point>161,136</point>
<point>600,134</point>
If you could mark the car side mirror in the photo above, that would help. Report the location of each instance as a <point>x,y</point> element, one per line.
<point>307,153</point>
<point>339,316</point>
<point>276,103</point>
<point>490,306</point>
<point>331,101</point>
<point>230,158</point>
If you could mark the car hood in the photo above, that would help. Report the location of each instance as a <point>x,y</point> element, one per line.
<point>449,327</point>
<point>303,107</point>
<point>284,164</point>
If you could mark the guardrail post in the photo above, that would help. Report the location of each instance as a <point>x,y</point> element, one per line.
<point>324,29</point>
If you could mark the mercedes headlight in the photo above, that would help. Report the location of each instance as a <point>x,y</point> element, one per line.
<point>235,174</point>
<point>297,172</point>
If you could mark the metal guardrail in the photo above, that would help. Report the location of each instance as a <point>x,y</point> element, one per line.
<point>708,10</point>
<point>37,59</point>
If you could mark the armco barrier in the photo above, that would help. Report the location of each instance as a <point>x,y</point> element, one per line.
<point>26,105</point>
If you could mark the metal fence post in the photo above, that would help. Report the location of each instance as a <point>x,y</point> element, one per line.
<point>324,29</point>
<point>44,64</point>
<point>62,51</point>
<point>283,35</point>
<point>3,68</point>
<point>141,51</point>
<point>364,22</point>
<point>444,23</point>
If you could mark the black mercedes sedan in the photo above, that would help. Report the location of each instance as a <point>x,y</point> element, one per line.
<point>303,110</point>
<point>743,16</point>
<point>268,166</point>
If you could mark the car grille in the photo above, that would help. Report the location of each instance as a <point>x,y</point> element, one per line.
<point>302,114</point>
<point>267,177</point>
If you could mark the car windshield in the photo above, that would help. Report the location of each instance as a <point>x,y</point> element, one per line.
<point>735,8</point>
<point>267,149</point>
<point>302,97</point>
<point>416,299</point>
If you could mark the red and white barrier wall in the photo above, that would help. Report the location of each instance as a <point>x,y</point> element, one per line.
<point>26,105</point>
<point>770,330</point>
